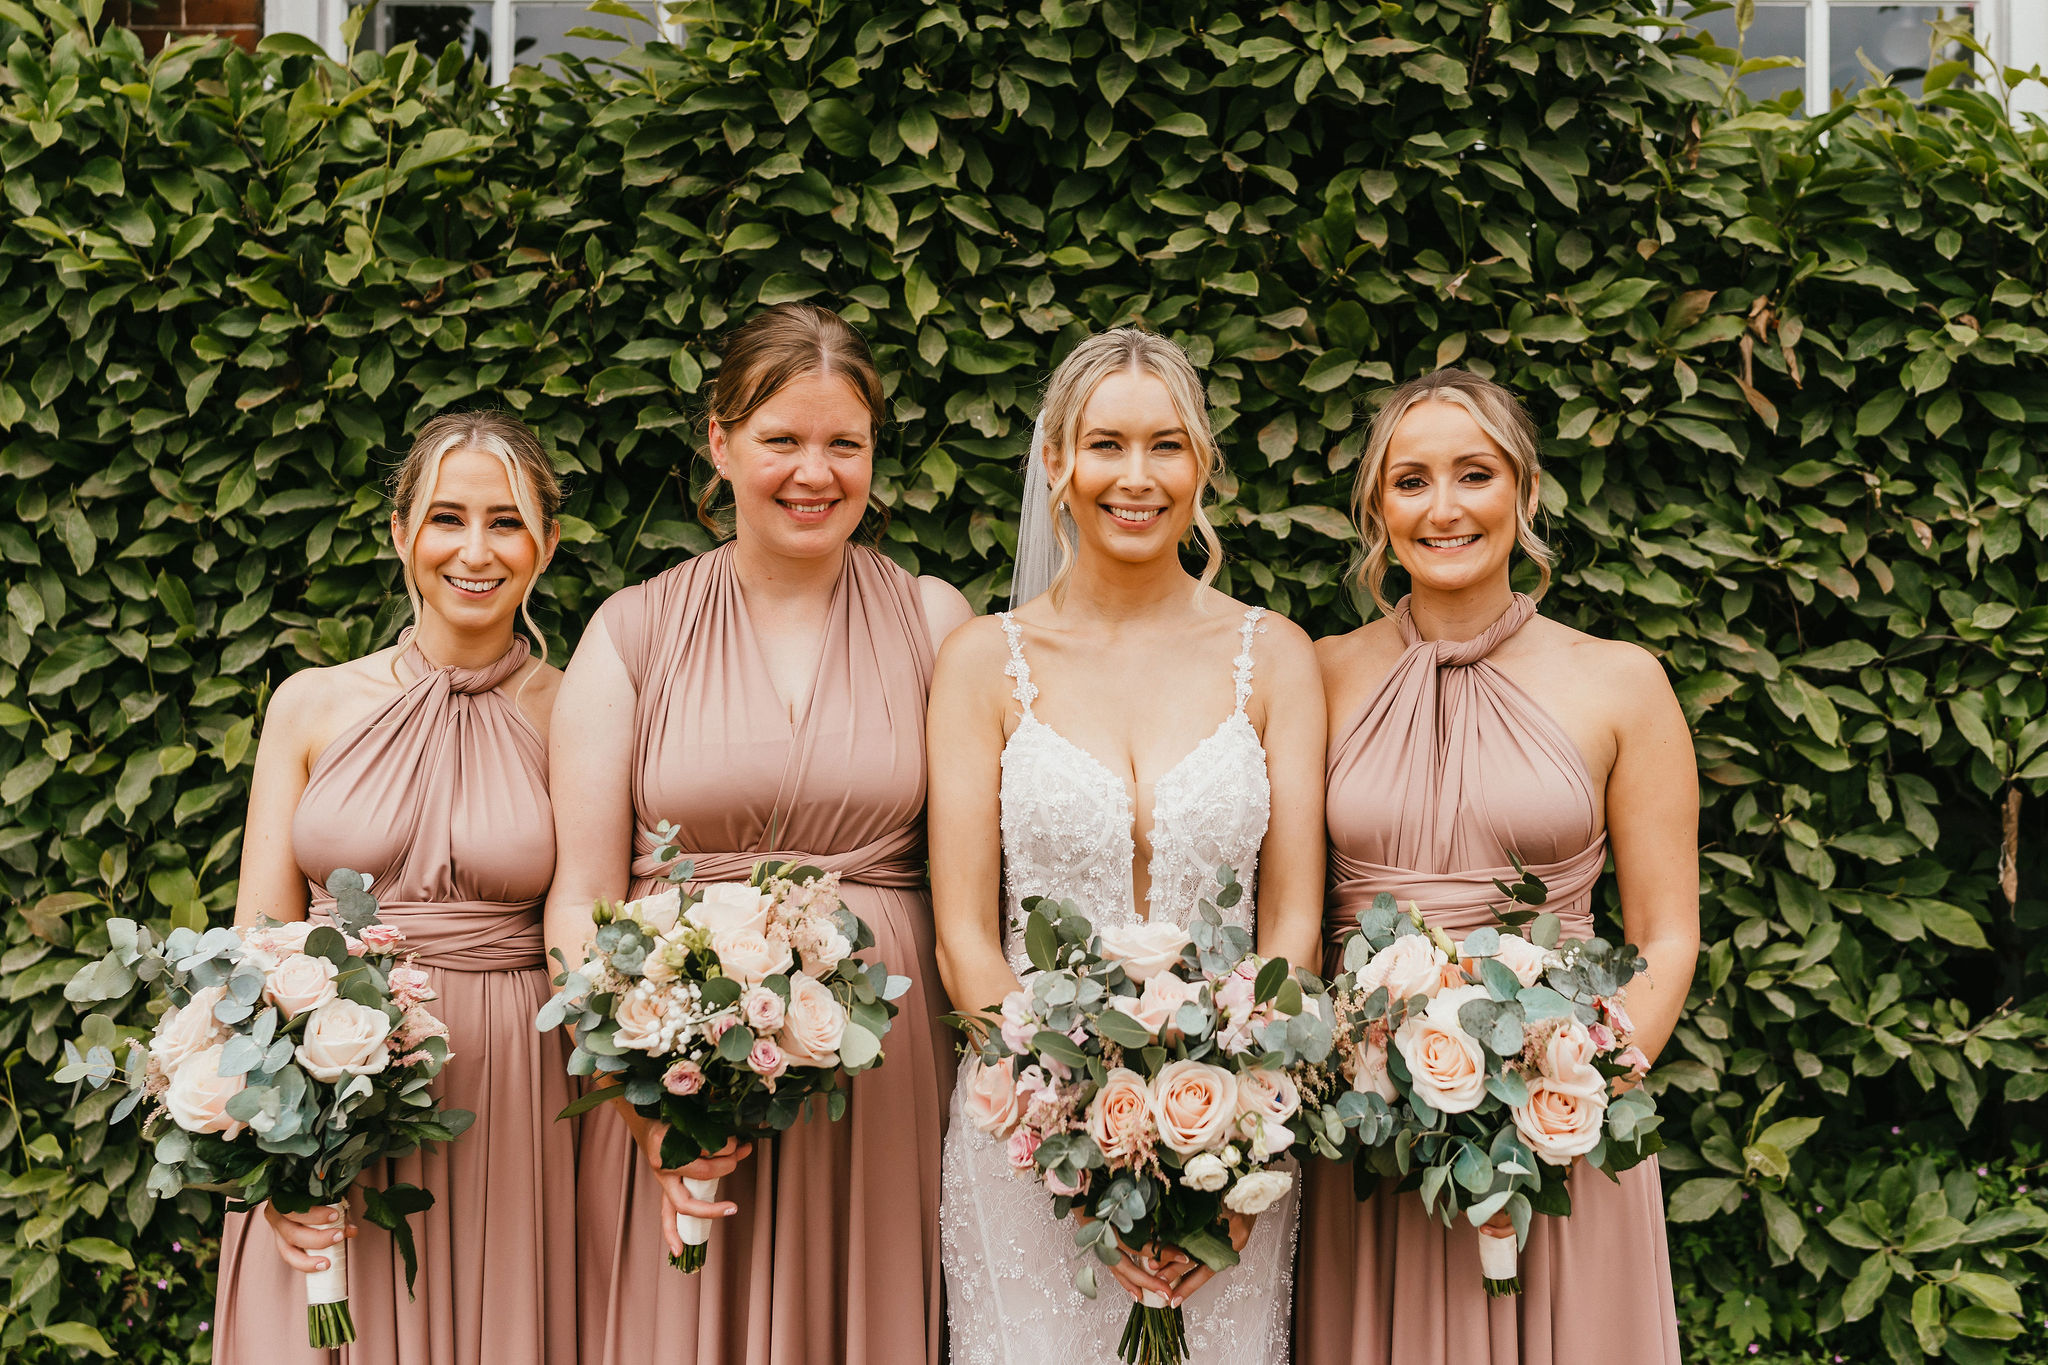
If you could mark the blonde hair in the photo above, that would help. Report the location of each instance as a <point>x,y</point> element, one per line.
<point>1123,350</point>
<point>1499,414</point>
<point>536,491</point>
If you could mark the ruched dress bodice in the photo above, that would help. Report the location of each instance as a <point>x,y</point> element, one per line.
<point>1448,773</point>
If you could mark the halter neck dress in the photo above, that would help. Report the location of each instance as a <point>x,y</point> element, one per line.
<point>1448,769</point>
<point>833,1255</point>
<point>441,795</point>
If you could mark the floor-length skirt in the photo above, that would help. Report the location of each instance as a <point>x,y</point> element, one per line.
<point>496,1285</point>
<point>833,1257</point>
<point>1385,1283</point>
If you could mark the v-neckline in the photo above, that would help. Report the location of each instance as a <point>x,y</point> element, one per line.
<point>788,713</point>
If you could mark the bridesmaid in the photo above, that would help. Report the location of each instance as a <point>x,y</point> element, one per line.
<point>425,765</point>
<point>1465,727</point>
<point>768,699</point>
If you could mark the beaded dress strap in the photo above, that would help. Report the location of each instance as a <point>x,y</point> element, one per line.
<point>1025,691</point>
<point>1242,664</point>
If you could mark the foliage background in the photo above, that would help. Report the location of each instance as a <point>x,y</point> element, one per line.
<point>1793,370</point>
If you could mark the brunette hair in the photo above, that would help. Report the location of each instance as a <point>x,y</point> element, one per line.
<point>1499,414</point>
<point>772,349</point>
<point>1127,350</point>
<point>536,491</point>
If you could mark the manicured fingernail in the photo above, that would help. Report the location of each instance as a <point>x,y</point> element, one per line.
<point>337,1237</point>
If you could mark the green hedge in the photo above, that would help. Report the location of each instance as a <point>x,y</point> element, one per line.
<point>1794,371</point>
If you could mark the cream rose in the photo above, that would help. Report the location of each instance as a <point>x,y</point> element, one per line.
<point>1119,1116</point>
<point>187,1029</point>
<point>1559,1125</point>
<point>1155,1007</point>
<point>1521,957</point>
<point>1144,949</point>
<point>1370,1074</point>
<point>823,947</point>
<point>198,1095</point>
<point>1409,966</point>
<point>990,1099</point>
<point>639,1015</point>
<point>1258,1192</point>
<point>748,956</point>
<point>812,1025</point>
<point>1445,1062</point>
<point>299,983</point>
<point>731,908</point>
<point>1266,1100</point>
<point>1566,1062</point>
<point>658,913</point>
<point>1193,1104</point>
<point>1205,1171</point>
<point>343,1038</point>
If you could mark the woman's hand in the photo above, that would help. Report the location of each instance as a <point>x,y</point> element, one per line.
<point>648,1135</point>
<point>301,1236</point>
<point>1198,1274</point>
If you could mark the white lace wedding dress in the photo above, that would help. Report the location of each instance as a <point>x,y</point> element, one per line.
<point>1066,822</point>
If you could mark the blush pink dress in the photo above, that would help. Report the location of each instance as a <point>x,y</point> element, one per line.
<point>834,1254</point>
<point>1447,770</point>
<point>441,795</point>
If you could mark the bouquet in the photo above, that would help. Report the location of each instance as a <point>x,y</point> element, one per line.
<point>723,1012</point>
<point>288,1058</point>
<point>1481,1071</point>
<point>1151,1077</point>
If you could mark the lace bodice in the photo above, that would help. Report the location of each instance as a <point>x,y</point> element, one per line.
<point>1067,819</point>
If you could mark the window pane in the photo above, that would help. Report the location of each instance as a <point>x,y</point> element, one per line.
<point>1779,31</point>
<point>1896,39</point>
<point>433,27</point>
<point>540,29</point>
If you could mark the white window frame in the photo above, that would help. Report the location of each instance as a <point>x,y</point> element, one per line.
<point>321,21</point>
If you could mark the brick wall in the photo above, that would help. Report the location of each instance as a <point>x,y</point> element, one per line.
<point>156,22</point>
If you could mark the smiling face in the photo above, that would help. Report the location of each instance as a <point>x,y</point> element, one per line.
<point>473,558</point>
<point>1448,495</point>
<point>1137,474</point>
<point>800,465</point>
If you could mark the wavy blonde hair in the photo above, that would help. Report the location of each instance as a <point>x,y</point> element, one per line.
<point>1499,414</point>
<point>536,491</point>
<point>1127,350</point>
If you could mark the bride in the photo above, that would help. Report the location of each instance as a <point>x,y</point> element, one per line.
<point>1113,741</point>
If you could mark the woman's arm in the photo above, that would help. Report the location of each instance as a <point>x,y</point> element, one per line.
<point>1290,890</point>
<point>964,745</point>
<point>271,883</point>
<point>945,609</point>
<point>590,760</point>
<point>1653,826</point>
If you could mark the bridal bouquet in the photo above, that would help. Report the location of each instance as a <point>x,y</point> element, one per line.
<point>721,1013</point>
<point>288,1058</point>
<point>1151,1077</point>
<point>1481,1071</point>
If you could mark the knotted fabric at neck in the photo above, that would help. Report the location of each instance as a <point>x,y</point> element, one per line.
<point>459,680</point>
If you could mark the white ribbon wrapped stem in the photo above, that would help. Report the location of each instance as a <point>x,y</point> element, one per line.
<point>1498,1256</point>
<point>330,1285</point>
<point>695,1232</point>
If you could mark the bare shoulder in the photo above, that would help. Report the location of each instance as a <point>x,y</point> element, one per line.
<point>1370,649</point>
<point>945,608</point>
<point>315,695</point>
<point>534,693</point>
<point>976,645</point>
<point>1599,661</point>
<point>1281,647</point>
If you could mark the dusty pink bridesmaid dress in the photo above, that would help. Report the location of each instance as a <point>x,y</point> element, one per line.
<point>1448,769</point>
<point>834,1254</point>
<point>442,797</point>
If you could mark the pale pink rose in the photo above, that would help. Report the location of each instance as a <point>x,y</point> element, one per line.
<point>1559,1125</point>
<point>812,1025</point>
<point>1120,1115</point>
<point>1445,1062</point>
<point>1155,1007</point>
<point>1636,1060</point>
<point>1409,966</point>
<point>356,947</point>
<point>639,1014</point>
<point>198,1096</point>
<point>1234,993</point>
<point>1616,1016</point>
<point>299,983</point>
<point>1055,1185</point>
<point>409,986</point>
<point>821,947</point>
<point>1371,1075</point>
<point>1566,1062</point>
<point>1144,949</point>
<point>763,1009</point>
<point>1019,1028</point>
<point>749,956</point>
<point>1193,1104</point>
<point>383,938</point>
<point>343,1038</point>
<point>990,1098</point>
<point>766,1060</point>
<point>1266,1100</point>
<point>731,908</point>
<point>1023,1146</point>
<point>1521,957</point>
<point>684,1078</point>
<point>715,1027</point>
<point>659,912</point>
<point>1603,1038</point>
<point>187,1029</point>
